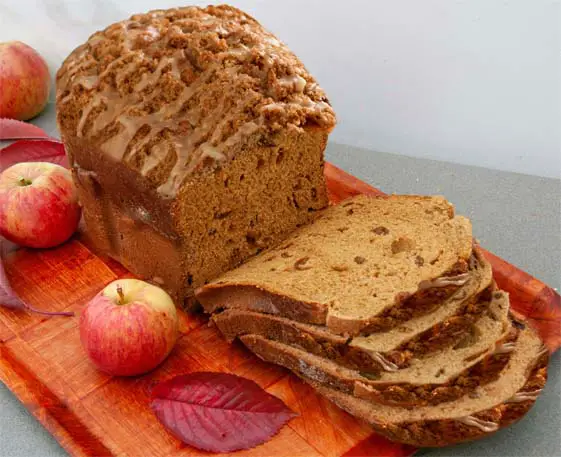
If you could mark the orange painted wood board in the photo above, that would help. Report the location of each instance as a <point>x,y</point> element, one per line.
<point>92,414</point>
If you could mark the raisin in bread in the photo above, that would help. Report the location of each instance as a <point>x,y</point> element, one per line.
<point>362,266</point>
<point>195,138</point>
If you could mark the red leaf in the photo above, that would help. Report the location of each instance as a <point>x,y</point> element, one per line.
<point>10,129</point>
<point>33,151</point>
<point>218,412</point>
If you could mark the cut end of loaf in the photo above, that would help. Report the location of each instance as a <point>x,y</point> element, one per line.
<point>358,259</point>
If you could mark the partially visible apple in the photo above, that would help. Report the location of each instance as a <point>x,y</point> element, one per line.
<point>38,204</point>
<point>24,81</point>
<point>129,328</point>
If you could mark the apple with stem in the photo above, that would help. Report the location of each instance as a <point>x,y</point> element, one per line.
<point>38,204</point>
<point>129,328</point>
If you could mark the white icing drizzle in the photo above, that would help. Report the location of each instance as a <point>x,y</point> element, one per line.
<point>524,396</point>
<point>186,163</point>
<point>484,426</point>
<point>109,97</point>
<point>95,39</point>
<point>74,66</point>
<point>153,32</point>
<point>316,106</point>
<point>221,30</point>
<point>239,51</point>
<point>148,33</point>
<point>158,121</point>
<point>85,113</point>
<point>443,281</point>
<point>86,81</point>
<point>187,159</point>
<point>295,82</point>
<point>209,151</point>
<point>312,107</point>
<point>158,153</point>
<point>272,40</point>
<point>208,20</point>
<point>149,79</point>
<point>245,130</point>
<point>385,363</point>
<point>505,348</point>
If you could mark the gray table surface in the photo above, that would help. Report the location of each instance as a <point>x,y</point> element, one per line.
<point>515,216</point>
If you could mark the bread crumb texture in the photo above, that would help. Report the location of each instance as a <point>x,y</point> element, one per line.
<point>367,259</point>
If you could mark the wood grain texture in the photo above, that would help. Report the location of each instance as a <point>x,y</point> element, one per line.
<point>92,414</point>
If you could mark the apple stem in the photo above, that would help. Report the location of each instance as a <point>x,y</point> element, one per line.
<point>24,182</point>
<point>121,295</point>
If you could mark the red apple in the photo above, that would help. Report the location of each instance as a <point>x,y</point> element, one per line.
<point>129,328</point>
<point>24,81</point>
<point>38,204</point>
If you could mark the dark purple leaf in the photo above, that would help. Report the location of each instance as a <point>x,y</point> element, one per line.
<point>218,412</point>
<point>10,129</point>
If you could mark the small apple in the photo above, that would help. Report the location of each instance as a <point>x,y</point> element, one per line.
<point>24,81</point>
<point>38,204</point>
<point>129,328</point>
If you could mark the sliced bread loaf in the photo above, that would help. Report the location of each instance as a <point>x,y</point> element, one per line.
<point>444,376</point>
<point>383,351</point>
<point>488,409</point>
<point>364,265</point>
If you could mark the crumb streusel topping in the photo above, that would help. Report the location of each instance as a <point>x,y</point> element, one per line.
<point>171,91</point>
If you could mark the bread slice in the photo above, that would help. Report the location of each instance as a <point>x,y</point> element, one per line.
<point>474,415</point>
<point>364,265</point>
<point>384,351</point>
<point>488,409</point>
<point>444,376</point>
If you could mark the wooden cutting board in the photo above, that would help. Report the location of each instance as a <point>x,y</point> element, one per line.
<point>92,414</point>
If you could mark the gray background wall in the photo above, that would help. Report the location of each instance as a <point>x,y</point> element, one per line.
<point>468,81</point>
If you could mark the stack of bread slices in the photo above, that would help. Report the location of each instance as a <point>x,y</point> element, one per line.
<point>387,307</point>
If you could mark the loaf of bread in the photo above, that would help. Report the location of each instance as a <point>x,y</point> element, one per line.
<point>365,265</point>
<point>429,356</point>
<point>195,138</point>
